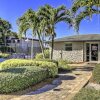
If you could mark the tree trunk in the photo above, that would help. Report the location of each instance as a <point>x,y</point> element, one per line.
<point>41,45</point>
<point>32,48</point>
<point>52,44</point>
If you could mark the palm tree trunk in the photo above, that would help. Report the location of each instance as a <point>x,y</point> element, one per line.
<point>52,44</point>
<point>41,44</point>
<point>32,48</point>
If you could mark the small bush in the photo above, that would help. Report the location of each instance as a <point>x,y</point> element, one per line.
<point>5,49</point>
<point>12,63</point>
<point>87,94</point>
<point>63,64</point>
<point>4,55</point>
<point>47,60</point>
<point>40,55</point>
<point>19,78</point>
<point>96,74</point>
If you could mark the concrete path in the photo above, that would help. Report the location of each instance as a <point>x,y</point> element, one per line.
<point>63,88</point>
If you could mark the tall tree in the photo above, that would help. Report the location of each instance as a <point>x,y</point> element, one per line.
<point>52,17</point>
<point>5,27</point>
<point>27,21</point>
<point>31,20</point>
<point>74,18</point>
<point>85,3</point>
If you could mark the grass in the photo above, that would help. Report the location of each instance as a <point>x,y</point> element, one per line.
<point>87,94</point>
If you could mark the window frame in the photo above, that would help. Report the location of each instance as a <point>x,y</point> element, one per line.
<point>69,46</point>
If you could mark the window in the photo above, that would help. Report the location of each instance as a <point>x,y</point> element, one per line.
<point>68,46</point>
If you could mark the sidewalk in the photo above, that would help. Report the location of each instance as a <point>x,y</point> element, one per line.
<point>63,88</point>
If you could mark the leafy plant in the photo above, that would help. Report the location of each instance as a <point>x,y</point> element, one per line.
<point>40,55</point>
<point>4,55</point>
<point>63,64</point>
<point>12,63</point>
<point>19,78</point>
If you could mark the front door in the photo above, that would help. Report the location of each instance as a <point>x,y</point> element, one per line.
<point>91,52</point>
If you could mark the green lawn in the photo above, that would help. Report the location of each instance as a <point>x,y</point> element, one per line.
<point>87,94</point>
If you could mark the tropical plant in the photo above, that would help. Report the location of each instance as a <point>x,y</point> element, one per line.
<point>52,16</point>
<point>80,10</point>
<point>85,3</point>
<point>5,27</point>
<point>30,20</point>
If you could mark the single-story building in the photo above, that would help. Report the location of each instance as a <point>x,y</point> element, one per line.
<point>78,48</point>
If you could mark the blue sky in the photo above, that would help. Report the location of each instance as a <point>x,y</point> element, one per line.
<point>11,10</point>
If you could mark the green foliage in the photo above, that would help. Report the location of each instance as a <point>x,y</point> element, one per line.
<point>19,78</point>
<point>50,66</point>
<point>87,94</point>
<point>40,55</point>
<point>47,54</point>
<point>4,55</point>
<point>4,49</point>
<point>63,64</point>
<point>96,73</point>
<point>47,60</point>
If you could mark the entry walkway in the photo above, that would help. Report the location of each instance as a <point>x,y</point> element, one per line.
<point>63,88</point>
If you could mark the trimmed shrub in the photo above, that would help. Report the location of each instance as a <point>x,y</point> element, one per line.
<point>12,63</point>
<point>40,55</point>
<point>4,55</point>
<point>47,60</point>
<point>19,78</point>
<point>87,94</point>
<point>63,64</point>
<point>96,73</point>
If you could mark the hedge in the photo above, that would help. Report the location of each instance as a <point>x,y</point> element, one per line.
<point>4,55</point>
<point>12,63</point>
<point>96,73</point>
<point>47,60</point>
<point>87,94</point>
<point>63,64</point>
<point>40,55</point>
<point>19,78</point>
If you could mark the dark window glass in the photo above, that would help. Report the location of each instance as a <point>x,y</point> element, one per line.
<point>68,47</point>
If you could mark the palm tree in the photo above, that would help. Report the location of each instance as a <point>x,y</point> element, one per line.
<point>85,3</point>
<point>27,21</point>
<point>74,18</point>
<point>31,20</point>
<point>75,15</point>
<point>52,17</point>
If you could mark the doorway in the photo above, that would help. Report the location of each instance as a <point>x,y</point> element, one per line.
<point>91,51</point>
